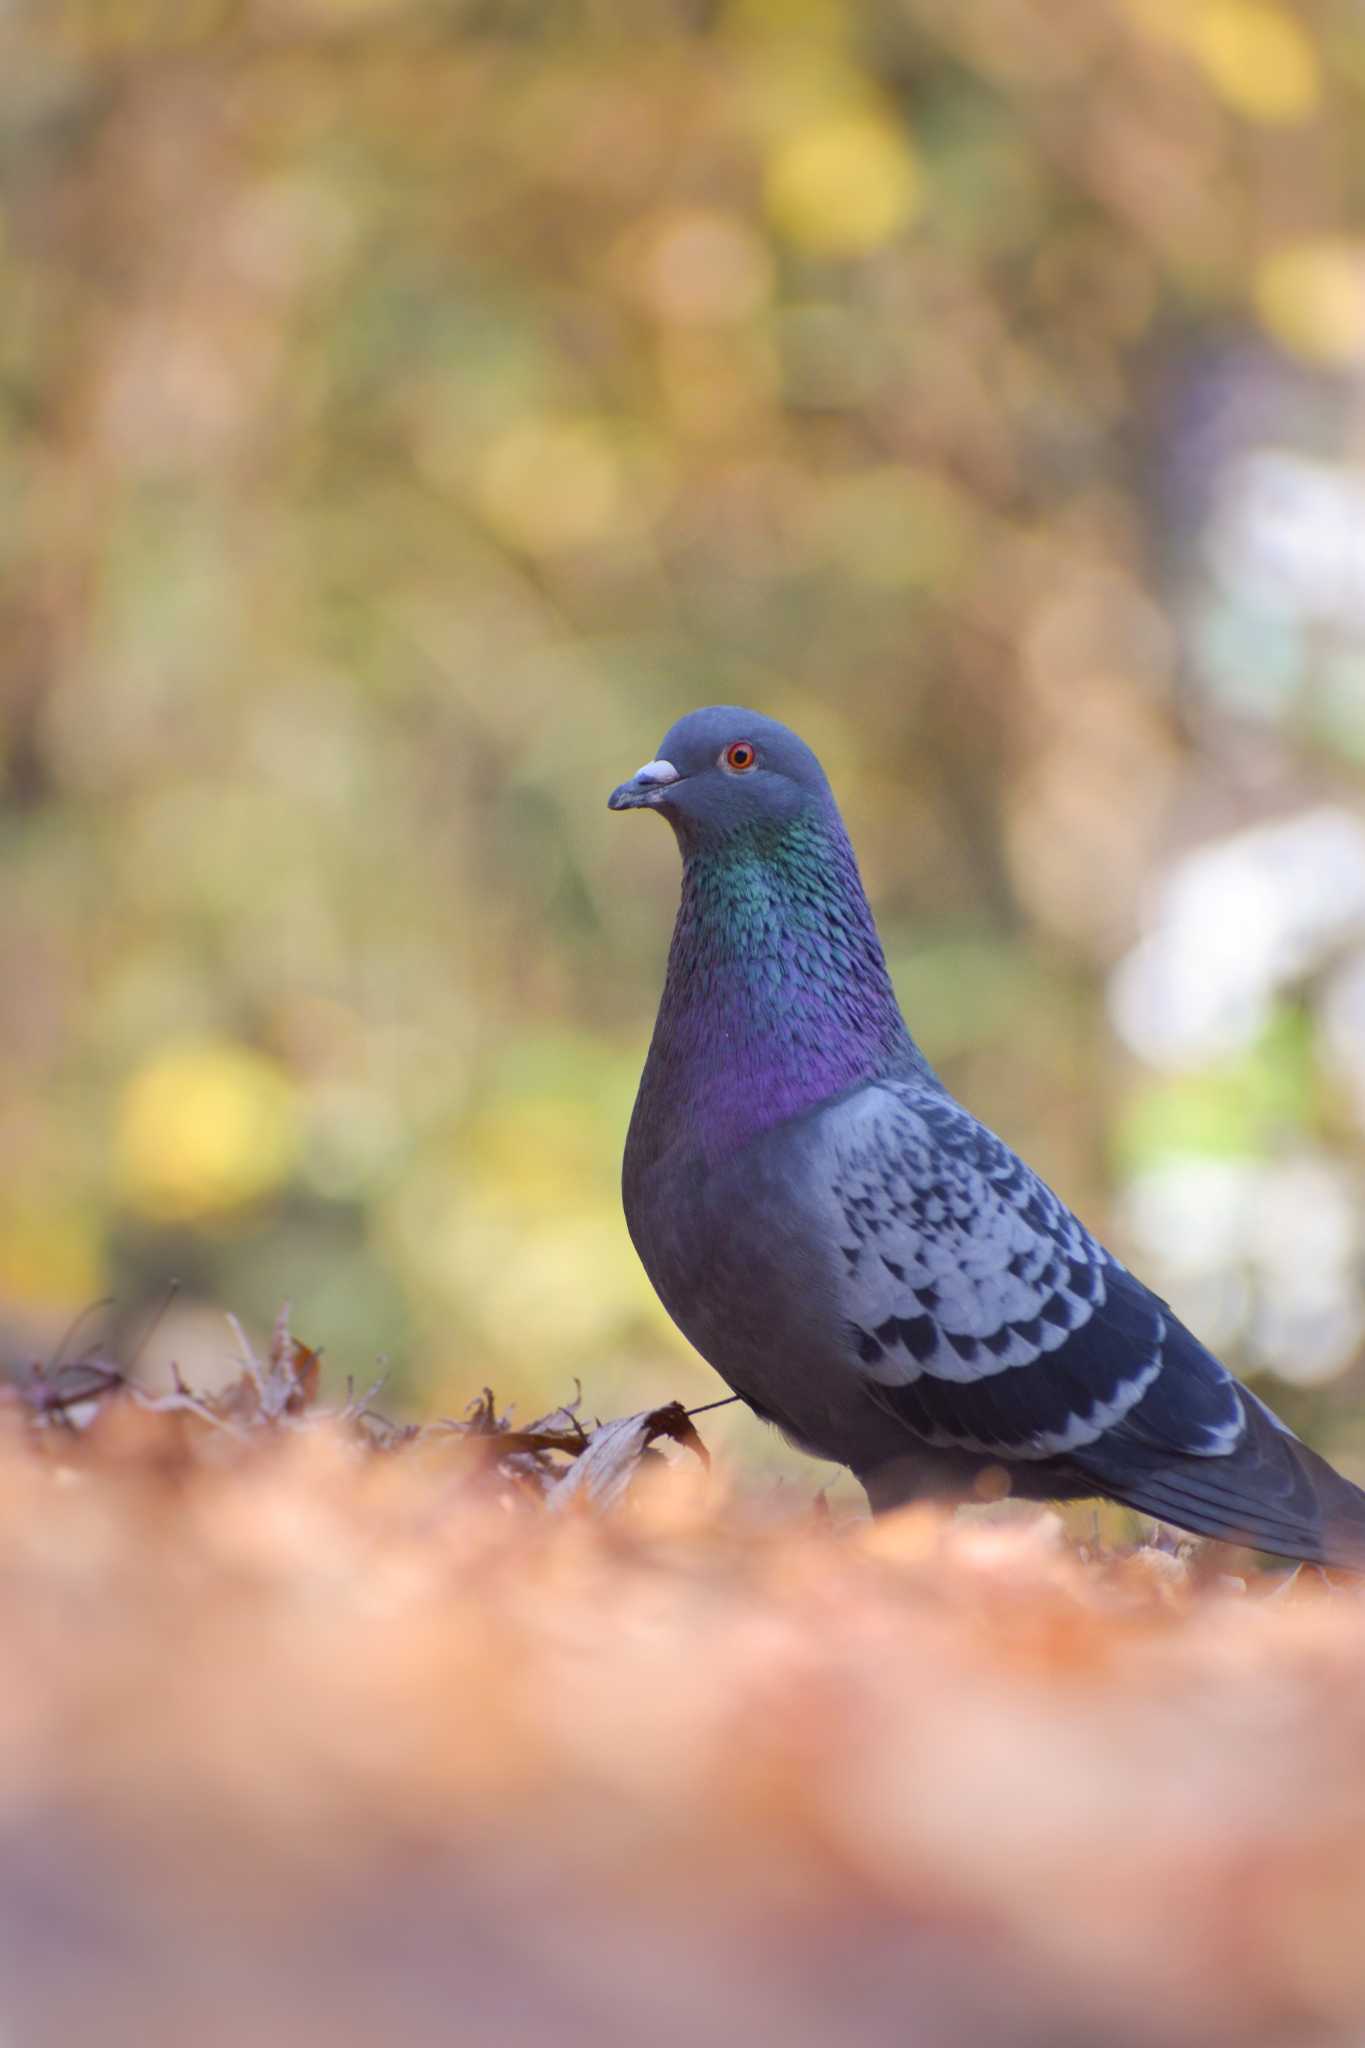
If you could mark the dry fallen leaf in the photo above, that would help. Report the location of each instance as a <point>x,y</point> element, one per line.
<point>613,1456</point>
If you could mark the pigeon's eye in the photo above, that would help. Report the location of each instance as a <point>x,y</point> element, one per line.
<point>740,757</point>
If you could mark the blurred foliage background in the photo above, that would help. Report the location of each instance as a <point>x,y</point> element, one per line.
<point>409,407</point>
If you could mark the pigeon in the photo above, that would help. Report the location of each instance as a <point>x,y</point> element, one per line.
<point>864,1263</point>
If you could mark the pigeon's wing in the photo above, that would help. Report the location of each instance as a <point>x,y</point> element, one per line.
<point>983,1311</point>
<point>987,1318</point>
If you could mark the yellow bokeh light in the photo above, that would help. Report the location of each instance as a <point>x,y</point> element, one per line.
<point>843,186</point>
<point>50,1256</point>
<point>204,1128</point>
<point>551,484</point>
<point>1257,58</point>
<point>1311,299</point>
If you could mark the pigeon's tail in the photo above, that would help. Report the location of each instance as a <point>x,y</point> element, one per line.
<point>1272,1492</point>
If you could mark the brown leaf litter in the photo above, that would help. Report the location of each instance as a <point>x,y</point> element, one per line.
<point>315,1728</point>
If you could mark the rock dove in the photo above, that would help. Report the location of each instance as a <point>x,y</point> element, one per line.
<point>865,1263</point>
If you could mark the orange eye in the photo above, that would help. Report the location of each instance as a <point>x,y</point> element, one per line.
<point>740,757</point>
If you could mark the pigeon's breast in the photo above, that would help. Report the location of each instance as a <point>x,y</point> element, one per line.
<point>738,1255</point>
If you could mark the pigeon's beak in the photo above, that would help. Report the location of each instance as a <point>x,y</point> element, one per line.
<point>647,786</point>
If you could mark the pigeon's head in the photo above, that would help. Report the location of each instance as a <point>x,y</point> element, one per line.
<point>721,770</point>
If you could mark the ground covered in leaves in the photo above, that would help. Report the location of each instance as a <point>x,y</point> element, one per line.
<point>315,1729</point>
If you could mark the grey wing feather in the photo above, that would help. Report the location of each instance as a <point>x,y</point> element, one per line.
<point>983,1315</point>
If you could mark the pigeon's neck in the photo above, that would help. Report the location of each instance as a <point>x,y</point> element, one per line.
<point>777,994</point>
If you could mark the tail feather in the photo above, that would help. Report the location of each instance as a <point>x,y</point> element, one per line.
<point>1272,1492</point>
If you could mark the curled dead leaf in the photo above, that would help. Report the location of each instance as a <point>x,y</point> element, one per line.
<point>604,1471</point>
